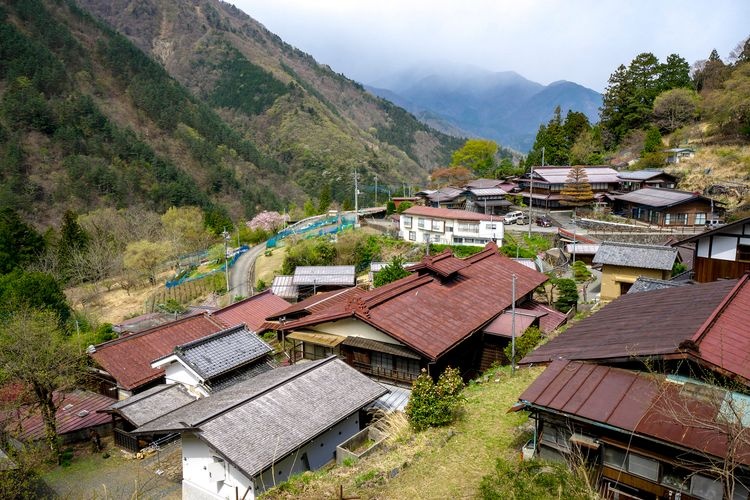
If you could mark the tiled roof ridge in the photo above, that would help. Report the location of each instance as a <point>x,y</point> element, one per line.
<point>639,245</point>
<point>154,329</point>
<point>307,368</point>
<point>358,306</point>
<point>212,336</point>
<point>706,326</point>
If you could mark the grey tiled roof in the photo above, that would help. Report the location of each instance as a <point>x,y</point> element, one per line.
<point>223,351</point>
<point>639,175</point>
<point>240,375</point>
<point>260,421</point>
<point>655,197</point>
<point>633,255</point>
<point>643,284</point>
<point>153,403</point>
<point>325,275</point>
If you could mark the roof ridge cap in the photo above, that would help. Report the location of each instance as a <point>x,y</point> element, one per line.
<point>307,368</point>
<point>212,336</point>
<point>698,336</point>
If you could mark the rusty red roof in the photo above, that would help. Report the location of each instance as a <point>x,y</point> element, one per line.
<point>660,322</point>
<point>316,302</point>
<point>128,359</point>
<point>551,319</point>
<point>77,410</point>
<point>635,402</point>
<point>723,340</point>
<point>431,313</point>
<point>448,213</point>
<point>252,311</point>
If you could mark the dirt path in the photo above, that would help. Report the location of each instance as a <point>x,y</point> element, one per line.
<point>120,476</point>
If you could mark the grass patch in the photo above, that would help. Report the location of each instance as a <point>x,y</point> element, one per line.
<point>268,266</point>
<point>446,462</point>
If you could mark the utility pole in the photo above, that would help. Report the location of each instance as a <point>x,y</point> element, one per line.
<point>356,199</point>
<point>531,191</point>
<point>513,328</point>
<point>376,190</point>
<point>226,236</point>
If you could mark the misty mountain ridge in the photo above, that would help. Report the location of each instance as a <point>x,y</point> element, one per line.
<point>503,106</point>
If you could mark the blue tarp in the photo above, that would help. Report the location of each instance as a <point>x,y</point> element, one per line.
<point>220,269</point>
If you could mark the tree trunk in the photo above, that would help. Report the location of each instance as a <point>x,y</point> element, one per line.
<point>48,410</point>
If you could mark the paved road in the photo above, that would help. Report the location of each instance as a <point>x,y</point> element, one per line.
<point>239,273</point>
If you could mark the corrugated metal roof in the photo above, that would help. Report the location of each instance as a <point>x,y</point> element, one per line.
<point>447,301</point>
<point>550,318</point>
<point>324,275</point>
<point>395,400</point>
<point>583,248</point>
<point>494,191</point>
<point>655,197</point>
<point>640,175</point>
<point>153,403</point>
<point>483,183</point>
<point>128,359</point>
<point>724,339</point>
<point>503,324</point>
<point>258,422</point>
<point>445,194</point>
<point>448,213</point>
<point>640,324</point>
<point>634,255</point>
<point>77,410</point>
<point>222,352</point>
<point>634,402</point>
<point>252,311</point>
<point>558,175</point>
<point>284,287</point>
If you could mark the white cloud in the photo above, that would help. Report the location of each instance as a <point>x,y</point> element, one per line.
<point>582,41</point>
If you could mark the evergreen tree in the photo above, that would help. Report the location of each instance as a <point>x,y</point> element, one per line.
<point>73,239</point>
<point>575,124</point>
<point>615,107</point>
<point>324,199</point>
<point>710,74</point>
<point>552,138</point>
<point>20,244</point>
<point>653,142</point>
<point>577,190</point>
<point>674,73</point>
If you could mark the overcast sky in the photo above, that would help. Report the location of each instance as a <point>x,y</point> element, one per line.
<point>578,40</point>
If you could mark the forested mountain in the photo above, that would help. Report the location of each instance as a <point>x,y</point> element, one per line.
<point>203,107</point>
<point>502,106</point>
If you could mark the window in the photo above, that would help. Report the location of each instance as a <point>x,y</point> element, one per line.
<point>382,361</point>
<point>468,227</point>
<point>437,225</point>
<point>667,219</point>
<point>700,219</point>
<point>407,221</point>
<point>436,238</point>
<point>630,462</point>
<point>680,219</point>
<point>491,226</point>
<point>704,487</point>
<point>449,229</point>
<point>412,236</point>
<point>558,437</point>
<point>420,223</point>
<point>743,253</point>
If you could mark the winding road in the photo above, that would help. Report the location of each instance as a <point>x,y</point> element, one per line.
<point>239,274</point>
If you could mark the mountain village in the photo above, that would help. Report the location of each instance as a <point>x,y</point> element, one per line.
<point>228,272</point>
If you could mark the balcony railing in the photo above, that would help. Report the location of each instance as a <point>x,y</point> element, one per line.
<point>378,372</point>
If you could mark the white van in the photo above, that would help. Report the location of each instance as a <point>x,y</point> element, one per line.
<point>513,217</point>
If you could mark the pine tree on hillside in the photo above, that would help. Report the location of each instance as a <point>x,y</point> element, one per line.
<point>577,190</point>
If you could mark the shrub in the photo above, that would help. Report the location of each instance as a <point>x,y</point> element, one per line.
<point>567,294</point>
<point>581,272</point>
<point>390,273</point>
<point>435,404</point>
<point>524,344</point>
<point>404,205</point>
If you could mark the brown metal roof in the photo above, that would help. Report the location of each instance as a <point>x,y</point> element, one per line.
<point>723,340</point>
<point>655,197</point>
<point>128,359</point>
<point>641,324</point>
<point>252,311</point>
<point>77,410</point>
<point>374,345</point>
<point>316,302</point>
<point>503,325</point>
<point>430,313</point>
<point>647,404</point>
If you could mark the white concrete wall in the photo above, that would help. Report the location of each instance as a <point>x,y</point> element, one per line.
<point>197,459</point>
<point>444,236</point>
<point>354,328</point>
<point>198,483</point>
<point>724,248</point>
<point>177,373</point>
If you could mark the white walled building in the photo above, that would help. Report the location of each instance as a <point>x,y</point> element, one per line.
<point>257,433</point>
<point>449,227</point>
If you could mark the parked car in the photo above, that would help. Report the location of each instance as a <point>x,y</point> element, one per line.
<point>524,219</point>
<point>512,217</point>
<point>543,221</point>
